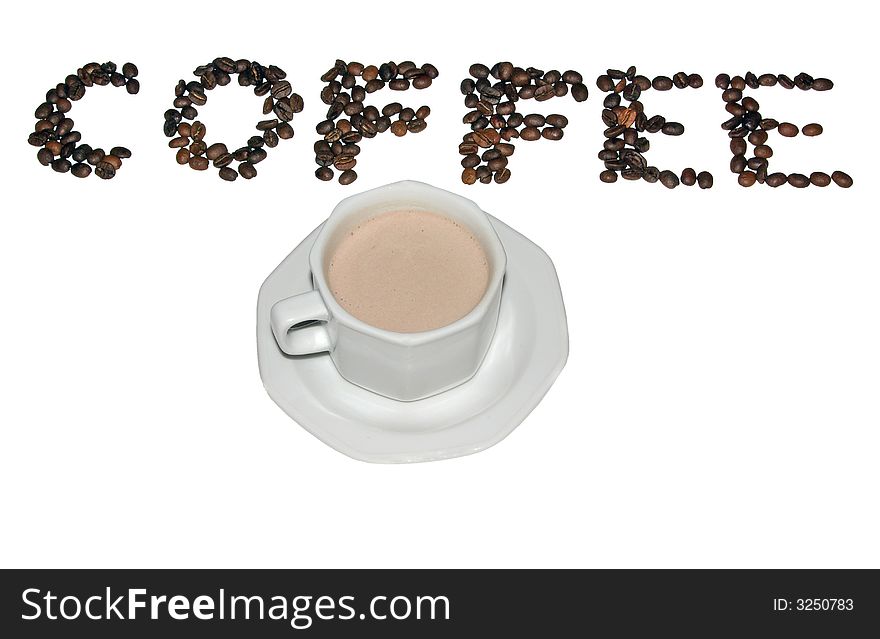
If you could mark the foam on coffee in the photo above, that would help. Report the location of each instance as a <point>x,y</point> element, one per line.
<point>408,271</point>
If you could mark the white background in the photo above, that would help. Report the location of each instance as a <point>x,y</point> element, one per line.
<point>720,403</point>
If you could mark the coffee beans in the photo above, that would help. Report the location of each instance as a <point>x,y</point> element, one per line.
<point>787,129</point>
<point>492,94</point>
<point>345,97</point>
<point>281,102</point>
<point>818,178</point>
<point>625,123</point>
<point>748,126</point>
<point>704,180</point>
<point>55,133</point>
<point>841,179</point>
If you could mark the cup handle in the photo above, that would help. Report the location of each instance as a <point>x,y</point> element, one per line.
<point>306,307</point>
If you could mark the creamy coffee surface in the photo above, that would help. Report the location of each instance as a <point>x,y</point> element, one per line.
<point>409,271</point>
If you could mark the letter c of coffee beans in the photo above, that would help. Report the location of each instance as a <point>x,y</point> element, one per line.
<point>280,105</point>
<point>61,146</point>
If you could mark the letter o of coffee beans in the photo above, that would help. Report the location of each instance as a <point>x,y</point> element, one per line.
<point>279,107</point>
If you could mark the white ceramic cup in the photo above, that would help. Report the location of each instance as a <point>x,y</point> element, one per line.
<point>402,366</point>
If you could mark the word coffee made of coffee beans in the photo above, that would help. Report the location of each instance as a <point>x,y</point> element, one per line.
<point>494,97</point>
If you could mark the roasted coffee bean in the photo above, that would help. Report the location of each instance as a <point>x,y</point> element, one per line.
<point>750,104</point>
<point>114,161</point>
<point>263,125</point>
<point>785,82</point>
<point>605,83</point>
<point>120,151</point>
<point>737,83</point>
<point>416,126</point>
<point>787,129</point>
<point>271,139</point>
<point>746,178</point>
<point>479,71</point>
<point>324,174</point>
<point>423,112</point>
<point>197,130</point>
<point>105,170</point>
<point>630,136</point>
<point>688,177</point>
<point>552,133</point>
<point>812,129</point>
<point>751,120</point>
<point>655,124</point>
<point>283,111</point>
<point>614,131</point>
<point>738,164</point>
<point>631,92</point>
<point>763,151</point>
<point>673,128</point>
<point>776,179</point>
<point>755,163</point>
<point>651,174</point>
<point>731,95</point>
<point>751,80</point>
<point>530,134</point>
<point>798,180</point>
<point>680,80</point>
<point>662,83</point>
<point>695,80</point>
<point>767,80</point>
<point>608,176</point>
<point>81,170</point>
<point>45,156</point>
<point>470,161</point>
<point>757,138</point>
<point>60,165</point>
<point>469,175</point>
<point>347,177</point>
<point>732,123</point>
<point>557,120</point>
<point>177,143</point>
<point>579,92</point>
<point>95,156</point>
<point>803,81</point>
<point>344,162</point>
<point>822,84</point>
<point>611,101</point>
<point>668,179</point>
<point>818,178</point>
<point>284,131</point>
<point>722,81</point>
<point>609,117</point>
<point>738,146</point>
<point>247,170</point>
<point>399,128</point>
<point>182,156</point>
<point>216,150</point>
<point>705,180</point>
<point>228,174</point>
<point>841,179</point>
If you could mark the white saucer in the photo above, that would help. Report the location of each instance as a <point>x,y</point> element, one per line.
<point>528,351</point>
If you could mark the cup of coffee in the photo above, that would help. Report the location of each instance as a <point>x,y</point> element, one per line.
<point>407,285</point>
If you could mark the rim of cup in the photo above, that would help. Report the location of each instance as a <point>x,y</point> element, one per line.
<point>423,196</point>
